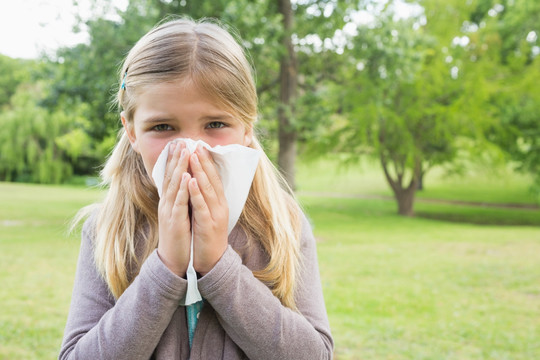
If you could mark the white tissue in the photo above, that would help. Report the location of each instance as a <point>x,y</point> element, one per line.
<point>236,165</point>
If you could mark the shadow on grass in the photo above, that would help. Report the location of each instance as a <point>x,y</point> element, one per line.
<point>447,210</point>
<point>479,215</point>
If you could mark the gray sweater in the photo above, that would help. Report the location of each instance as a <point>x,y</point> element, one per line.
<point>241,319</point>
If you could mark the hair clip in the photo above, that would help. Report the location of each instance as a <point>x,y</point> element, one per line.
<point>123,86</point>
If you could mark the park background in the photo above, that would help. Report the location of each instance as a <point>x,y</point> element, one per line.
<point>409,130</point>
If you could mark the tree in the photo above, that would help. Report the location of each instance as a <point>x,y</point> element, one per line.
<point>86,76</point>
<point>400,103</point>
<point>87,72</point>
<point>13,72</point>
<point>288,93</point>
<point>37,145</point>
<point>506,42</point>
<point>302,82</point>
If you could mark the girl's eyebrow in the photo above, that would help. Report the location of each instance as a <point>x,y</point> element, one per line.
<point>216,117</point>
<point>157,118</point>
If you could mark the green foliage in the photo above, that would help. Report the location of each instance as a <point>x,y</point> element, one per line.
<point>88,73</point>
<point>401,101</point>
<point>515,89</point>
<point>415,90</point>
<point>37,145</point>
<point>401,88</point>
<point>12,73</point>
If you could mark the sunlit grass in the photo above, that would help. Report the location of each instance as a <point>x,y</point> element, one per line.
<point>498,185</point>
<point>328,175</point>
<point>410,288</point>
<point>37,268</point>
<point>484,185</point>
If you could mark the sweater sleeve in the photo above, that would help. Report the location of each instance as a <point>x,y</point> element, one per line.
<point>98,327</point>
<point>257,321</point>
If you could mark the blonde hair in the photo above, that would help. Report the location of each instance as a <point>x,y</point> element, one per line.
<point>127,223</point>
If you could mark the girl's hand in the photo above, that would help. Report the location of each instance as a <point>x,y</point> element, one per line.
<point>210,212</point>
<point>173,212</point>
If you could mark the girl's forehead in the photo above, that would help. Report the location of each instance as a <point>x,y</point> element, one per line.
<point>218,93</point>
<point>178,97</point>
<point>179,86</point>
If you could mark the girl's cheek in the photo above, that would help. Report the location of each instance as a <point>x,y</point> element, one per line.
<point>149,160</point>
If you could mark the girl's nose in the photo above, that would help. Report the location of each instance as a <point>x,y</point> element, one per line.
<point>194,135</point>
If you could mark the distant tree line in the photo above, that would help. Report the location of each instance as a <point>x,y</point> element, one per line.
<point>413,84</point>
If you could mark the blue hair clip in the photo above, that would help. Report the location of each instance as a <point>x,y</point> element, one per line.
<point>123,86</point>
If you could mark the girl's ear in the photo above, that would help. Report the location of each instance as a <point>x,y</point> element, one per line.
<point>130,131</point>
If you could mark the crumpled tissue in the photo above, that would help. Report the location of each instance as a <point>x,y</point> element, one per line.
<point>236,165</point>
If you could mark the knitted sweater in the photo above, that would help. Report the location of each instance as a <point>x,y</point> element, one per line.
<point>241,318</point>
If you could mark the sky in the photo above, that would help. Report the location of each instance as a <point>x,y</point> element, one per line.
<point>30,27</point>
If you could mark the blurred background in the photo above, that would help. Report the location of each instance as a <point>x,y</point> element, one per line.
<point>410,131</point>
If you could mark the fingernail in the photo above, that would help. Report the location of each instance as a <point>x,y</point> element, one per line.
<point>183,154</point>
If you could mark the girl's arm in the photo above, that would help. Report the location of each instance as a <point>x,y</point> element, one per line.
<point>130,328</point>
<point>256,320</point>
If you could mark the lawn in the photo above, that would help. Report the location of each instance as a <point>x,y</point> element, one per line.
<point>395,288</point>
<point>399,288</point>
<point>37,266</point>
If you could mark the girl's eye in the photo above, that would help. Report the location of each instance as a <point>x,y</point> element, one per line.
<point>162,127</point>
<point>215,125</point>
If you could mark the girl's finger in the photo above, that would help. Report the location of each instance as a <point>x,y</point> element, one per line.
<point>175,150</point>
<point>180,209</point>
<point>203,183</point>
<point>176,177</point>
<point>209,167</point>
<point>209,233</point>
<point>200,208</point>
<point>169,166</point>
<point>211,197</point>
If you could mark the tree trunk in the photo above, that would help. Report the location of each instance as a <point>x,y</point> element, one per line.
<point>404,195</point>
<point>405,200</point>
<point>288,84</point>
<point>420,186</point>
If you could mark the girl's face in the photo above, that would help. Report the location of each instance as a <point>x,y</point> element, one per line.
<point>167,111</point>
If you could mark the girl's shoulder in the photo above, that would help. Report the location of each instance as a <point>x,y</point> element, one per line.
<point>87,216</point>
<point>307,238</point>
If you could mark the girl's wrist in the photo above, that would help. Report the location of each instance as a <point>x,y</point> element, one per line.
<point>174,269</point>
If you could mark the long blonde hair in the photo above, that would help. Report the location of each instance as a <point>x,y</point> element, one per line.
<point>127,222</point>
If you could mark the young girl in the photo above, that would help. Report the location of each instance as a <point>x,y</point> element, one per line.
<point>262,297</point>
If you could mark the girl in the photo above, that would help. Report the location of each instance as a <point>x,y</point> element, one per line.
<point>260,285</point>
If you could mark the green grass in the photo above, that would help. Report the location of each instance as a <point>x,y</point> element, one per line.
<point>412,288</point>
<point>395,288</point>
<point>37,266</point>
<point>491,185</point>
<point>499,185</point>
<point>482,215</point>
<point>326,175</point>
